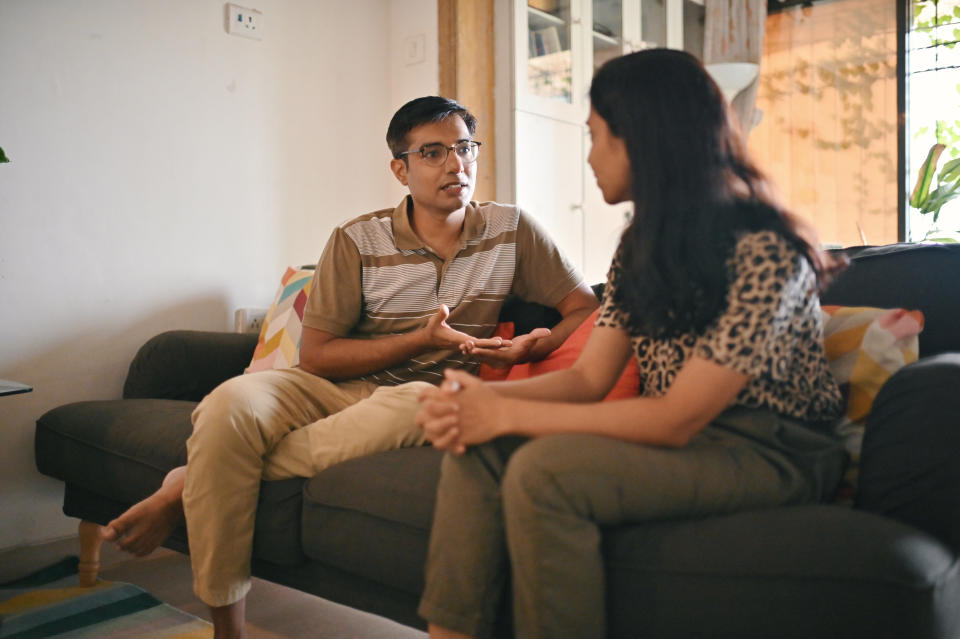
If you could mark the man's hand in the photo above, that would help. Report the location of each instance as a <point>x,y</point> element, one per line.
<point>515,351</point>
<point>441,335</point>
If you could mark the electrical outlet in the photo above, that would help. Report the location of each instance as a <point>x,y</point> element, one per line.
<point>244,22</point>
<point>249,320</point>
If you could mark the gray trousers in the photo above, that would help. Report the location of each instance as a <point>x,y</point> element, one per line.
<point>531,511</point>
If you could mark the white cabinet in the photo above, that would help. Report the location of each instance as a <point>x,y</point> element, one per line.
<point>548,50</point>
<point>549,185</point>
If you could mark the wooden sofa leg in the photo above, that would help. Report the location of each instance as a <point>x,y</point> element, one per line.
<point>90,542</point>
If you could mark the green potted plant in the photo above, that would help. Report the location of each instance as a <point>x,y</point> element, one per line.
<point>946,187</point>
<point>3,156</point>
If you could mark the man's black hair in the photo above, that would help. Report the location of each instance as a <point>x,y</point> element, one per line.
<point>431,108</point>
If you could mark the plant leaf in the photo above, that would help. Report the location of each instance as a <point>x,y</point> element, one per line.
<point>950,171</point>
<point>940,196</point>
<point>943,239</point>
<point>927,169</point>
<point>3,156</point>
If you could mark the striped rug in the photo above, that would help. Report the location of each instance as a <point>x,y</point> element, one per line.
<point>63,609</point>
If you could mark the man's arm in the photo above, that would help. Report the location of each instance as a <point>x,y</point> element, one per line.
<point>336,358</point>
<point>574,309</point>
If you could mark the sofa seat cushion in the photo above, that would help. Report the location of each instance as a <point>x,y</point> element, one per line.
<point>122,450</point>
<point>371,516</point>
<point>805,571</point>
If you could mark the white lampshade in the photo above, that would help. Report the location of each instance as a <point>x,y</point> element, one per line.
<point>733,77</point>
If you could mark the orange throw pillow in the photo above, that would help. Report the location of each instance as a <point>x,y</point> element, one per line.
<point>627,386</point>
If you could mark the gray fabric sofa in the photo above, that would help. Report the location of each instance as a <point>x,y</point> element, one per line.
<point>357,532</point>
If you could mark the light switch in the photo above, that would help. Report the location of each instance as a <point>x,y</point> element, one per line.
<point>413,49</point>
<point>244,22</point>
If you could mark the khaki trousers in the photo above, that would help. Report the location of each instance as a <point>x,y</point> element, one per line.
<point>532,511</point>
<point>275,425</point>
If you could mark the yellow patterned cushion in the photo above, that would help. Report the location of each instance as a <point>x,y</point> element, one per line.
<point>864,347</point>
<point>279,343</point>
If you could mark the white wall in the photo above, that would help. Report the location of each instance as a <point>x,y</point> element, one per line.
<point>412,19</point>
<point>163,174</point>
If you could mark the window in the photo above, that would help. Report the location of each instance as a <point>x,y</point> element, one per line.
<point>932,109</point>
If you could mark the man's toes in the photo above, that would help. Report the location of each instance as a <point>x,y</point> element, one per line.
<point>109,532</point>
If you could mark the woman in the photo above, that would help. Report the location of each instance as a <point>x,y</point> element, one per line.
<point>715,294</point>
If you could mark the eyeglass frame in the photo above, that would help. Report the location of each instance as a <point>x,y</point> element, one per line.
<point>471,143</point>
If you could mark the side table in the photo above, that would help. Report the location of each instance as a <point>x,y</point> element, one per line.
<point>12,388</point>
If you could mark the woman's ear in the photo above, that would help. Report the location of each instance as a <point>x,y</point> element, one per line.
<point>399,168</point>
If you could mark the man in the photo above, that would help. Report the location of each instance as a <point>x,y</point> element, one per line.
<point>398,296</point>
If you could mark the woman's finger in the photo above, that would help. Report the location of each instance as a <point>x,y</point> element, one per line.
<point>442,433</point>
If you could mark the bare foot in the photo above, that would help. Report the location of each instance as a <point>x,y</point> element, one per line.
<point>147,524</point>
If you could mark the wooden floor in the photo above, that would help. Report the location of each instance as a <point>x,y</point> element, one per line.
<point>273,611</point>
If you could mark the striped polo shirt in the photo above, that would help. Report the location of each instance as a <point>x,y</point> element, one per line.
<point>376,278</point>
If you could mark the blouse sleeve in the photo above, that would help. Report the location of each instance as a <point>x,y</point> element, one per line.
<point>772,290</point>
<point>610,314</point>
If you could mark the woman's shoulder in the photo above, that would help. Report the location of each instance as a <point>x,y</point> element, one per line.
<point>746,225</point>
<point>762,240</point>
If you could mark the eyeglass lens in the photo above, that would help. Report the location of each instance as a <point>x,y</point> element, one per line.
<point>436,154</point>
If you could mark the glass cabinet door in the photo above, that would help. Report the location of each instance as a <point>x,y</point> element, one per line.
<point>607,35</point>
<point>653,23</point>
<point>550,54</point>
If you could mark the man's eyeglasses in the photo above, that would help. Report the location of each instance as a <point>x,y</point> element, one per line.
<point>436,154</point>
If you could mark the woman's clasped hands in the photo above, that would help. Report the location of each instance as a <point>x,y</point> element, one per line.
<point>460,412</point>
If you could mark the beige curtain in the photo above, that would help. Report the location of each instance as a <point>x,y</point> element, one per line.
<point>828,138</point>
<point>733,32</point>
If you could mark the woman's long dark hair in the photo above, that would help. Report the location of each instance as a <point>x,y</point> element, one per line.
<point>692,185</point>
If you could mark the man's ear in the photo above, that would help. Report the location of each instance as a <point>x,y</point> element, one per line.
<point>399,168</point>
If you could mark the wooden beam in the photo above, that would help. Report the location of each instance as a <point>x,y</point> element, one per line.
<point>466,50</point>
<point>447,50</point>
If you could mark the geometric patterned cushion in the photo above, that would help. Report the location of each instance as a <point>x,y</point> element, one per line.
<point>864,347</point>
<point>279,343</point>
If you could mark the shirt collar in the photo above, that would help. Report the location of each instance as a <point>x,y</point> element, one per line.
<point>407,240</point>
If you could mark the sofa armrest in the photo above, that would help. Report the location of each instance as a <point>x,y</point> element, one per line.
<point>909,466</point>
<point>187,364</point>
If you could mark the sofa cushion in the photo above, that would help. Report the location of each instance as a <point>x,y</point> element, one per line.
<point>627,385</point>
<point>864,347</point>
<point>371,516</point>
<point>814,571</point>
<point>187,364</point>
<point>278,345</point>
<point>914,276</point>
<point>909,469</point>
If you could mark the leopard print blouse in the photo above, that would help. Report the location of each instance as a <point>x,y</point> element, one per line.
<point>771,330</point>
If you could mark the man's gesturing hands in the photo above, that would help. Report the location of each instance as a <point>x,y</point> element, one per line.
<point>442,335</point>
<point>515,351</point>
<point>495,351</point>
